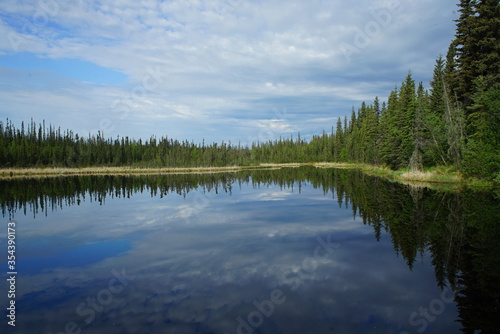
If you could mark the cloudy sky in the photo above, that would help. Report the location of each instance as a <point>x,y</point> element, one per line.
<point>211,69</point>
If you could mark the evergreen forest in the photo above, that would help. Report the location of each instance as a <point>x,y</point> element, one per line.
<point>456,122</point>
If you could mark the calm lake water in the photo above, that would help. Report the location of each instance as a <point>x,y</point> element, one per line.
<point>297,250</point>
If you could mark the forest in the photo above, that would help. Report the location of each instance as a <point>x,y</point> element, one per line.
<point>456,122</point>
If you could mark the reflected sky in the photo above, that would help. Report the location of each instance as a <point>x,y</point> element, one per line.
<point>254,260</point>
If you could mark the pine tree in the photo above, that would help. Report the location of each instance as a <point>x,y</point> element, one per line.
<point>475,51</point>
<point>416,159</point>
<point>437,104</point>
<point>408,104</point>
<point>390,132</point>
<point>482,153</point>
<point>339,141</point>
<point>434,118</point>
<point>487,46</point>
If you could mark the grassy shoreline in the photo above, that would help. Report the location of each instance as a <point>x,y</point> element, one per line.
<point>9,173</point>
<point>441,175</point>
<point>431,176</point>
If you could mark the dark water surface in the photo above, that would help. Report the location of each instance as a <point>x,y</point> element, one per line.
<point>299,250</point>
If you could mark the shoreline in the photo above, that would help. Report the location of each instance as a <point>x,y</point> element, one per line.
<point>12,173</point>
<point>432,176</point>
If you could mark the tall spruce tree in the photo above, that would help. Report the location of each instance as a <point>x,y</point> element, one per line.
<point>419,140</point>
<point>408,105</point>
<point>475,51</point>
<point>485,37</point>
<point>473,75</point>
<point>434,118</point>
<point>482,152</point>
<point>390,132</point>
<point>462,51</point>
<point>339,141</point>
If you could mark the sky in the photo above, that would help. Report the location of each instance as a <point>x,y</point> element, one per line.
<point>214,70</point>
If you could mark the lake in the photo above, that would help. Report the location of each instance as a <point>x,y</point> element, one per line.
<point>293,250</point>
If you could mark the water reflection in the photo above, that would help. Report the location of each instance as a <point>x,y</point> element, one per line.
<point>280,251</point>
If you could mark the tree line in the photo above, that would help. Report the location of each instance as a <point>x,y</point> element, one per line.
<point>454,123</point>
<point>37,145</point>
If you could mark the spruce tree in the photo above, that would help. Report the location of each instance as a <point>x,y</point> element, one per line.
<point>416,159</point>
<point>482,153</point>
<point>390,132</point>
<point>475,51</point>
<point>406,117</point>
<point>339,141</point>
<point>437,104</point>
<point>434,118</point>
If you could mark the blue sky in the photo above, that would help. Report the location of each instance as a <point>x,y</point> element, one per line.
<point>217,70</point>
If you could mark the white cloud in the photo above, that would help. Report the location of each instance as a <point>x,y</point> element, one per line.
<point>220,60</point>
